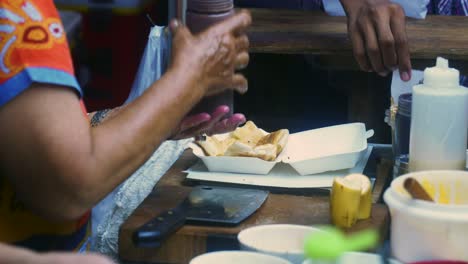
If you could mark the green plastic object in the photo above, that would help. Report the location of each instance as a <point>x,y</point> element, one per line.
<point>331,243</point>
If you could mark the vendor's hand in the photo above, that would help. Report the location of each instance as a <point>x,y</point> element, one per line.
<point>378,34</point>
<point>204,123</point>
<point>213,56</point>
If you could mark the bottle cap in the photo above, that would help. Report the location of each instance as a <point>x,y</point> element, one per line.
<point>441,76</point>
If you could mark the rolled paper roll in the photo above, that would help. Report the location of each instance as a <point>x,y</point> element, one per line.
<point>416,190</point>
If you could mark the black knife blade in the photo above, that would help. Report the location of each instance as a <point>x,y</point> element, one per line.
<point>219,206</point>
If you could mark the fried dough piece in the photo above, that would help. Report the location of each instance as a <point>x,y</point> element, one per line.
<point>215,147</point>
<point>211,146</point>
<point>249,134</point>
<point>266,152</point>
<point>247,141</point>
<point>238,149</point>
<point>226,143</point>
<point>278,138</point>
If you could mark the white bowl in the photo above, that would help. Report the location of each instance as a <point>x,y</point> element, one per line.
<point>237,257</point>
<point>358,258</point>
<point>423,230</point>
<point>285,241</point>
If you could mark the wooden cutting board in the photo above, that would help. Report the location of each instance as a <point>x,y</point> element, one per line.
<point>191,241</point>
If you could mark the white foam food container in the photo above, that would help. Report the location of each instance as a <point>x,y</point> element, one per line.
<point>308,152</point>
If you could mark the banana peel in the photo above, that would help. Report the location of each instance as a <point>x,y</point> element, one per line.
<point>344,202</point>
<point>350,200</point>
<point>365,203</point>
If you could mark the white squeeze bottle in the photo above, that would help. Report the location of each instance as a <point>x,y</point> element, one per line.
<point>439,121</point>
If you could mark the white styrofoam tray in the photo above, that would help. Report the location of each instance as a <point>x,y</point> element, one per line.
<point>309,152</point>
<point>281,176</point>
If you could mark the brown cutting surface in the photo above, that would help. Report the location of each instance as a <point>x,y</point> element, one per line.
<point>192,240</point>
<point>305,32</point>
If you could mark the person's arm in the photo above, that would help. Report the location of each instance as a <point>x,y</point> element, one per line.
<point>60,166</point>
<point>378,34</point>
<point>217,122</point>
<point>98,117</point>
<point>14,255</point>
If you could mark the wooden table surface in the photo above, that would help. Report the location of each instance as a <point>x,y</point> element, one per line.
<point>190,241</point>
<point>312,32</point>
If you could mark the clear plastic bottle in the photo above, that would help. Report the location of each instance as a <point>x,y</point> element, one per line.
<point>439,121</point>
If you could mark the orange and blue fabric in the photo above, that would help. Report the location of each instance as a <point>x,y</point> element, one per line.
<point>34,49</point>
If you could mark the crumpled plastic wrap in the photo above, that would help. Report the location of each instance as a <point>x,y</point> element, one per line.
<point>154,61</point>
<point>130,194</point>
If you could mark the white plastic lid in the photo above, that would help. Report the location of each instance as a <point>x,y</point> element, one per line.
<point>441,76</point>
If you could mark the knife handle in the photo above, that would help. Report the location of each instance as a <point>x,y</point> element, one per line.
<point>154,232</point>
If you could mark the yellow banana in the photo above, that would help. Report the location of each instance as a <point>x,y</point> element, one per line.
<point>350,200</point>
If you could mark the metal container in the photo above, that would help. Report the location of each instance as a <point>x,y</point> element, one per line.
<point>401,166</point>
<point>200,15</point>
<point>398,117</point>
<point>402,125</point>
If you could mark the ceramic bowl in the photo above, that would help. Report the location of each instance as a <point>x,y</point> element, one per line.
<point>358,258</point>
<point>285,241</point>
<point>237,257</point>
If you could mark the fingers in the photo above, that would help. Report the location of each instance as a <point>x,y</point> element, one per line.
<point>237,120</point>
<point>236,24</point>
<point>373,49</point>
<point>227,47</point>
<point>242,47</point>
<point>242,60</point>
<point>174,25</point>
<point>242,43</point>
<point>221,127</point>
<point>178,29</point>
<point>229,124</point>
<point>205,128</point>
<point>386,42</point>
<point>398,28</point>
<point>379,39</point>
<point>239,83</point>
<point>218,124</point>
<point>219,113</point>
<point>359,51</point>
<point>193,121</point>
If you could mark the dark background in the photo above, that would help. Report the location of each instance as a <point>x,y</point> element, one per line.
<point>285,91</point>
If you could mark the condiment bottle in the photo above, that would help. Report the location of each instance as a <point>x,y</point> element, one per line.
<point>402,125</point>
<point>200,15</point>
<point>439,120</point>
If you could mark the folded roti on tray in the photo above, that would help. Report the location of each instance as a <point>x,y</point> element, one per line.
<point>247,141</point>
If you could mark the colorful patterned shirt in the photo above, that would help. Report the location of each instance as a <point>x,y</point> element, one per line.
<point>34,49</point>
<point>448,7</point>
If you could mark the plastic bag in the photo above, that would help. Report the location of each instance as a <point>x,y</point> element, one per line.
<point>153,63</point>
<point>400,87</point>
<point>413,8</point>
